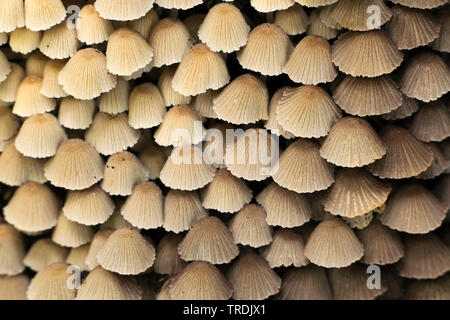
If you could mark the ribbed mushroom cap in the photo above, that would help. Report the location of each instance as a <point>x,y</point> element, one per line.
<point>267,51</point>
<point>310,62</point>
<point>272,123</point>
<point>75,166</point>
<point>51,283</point>
<point>421,4</point>
<point>208,240</point>
<point>293,20</point>
<point>224,28</point>
<point>9,124</point>
<point>413,209</point>
<point>271,5</point>
<point>76,114</point>
<point>146,106</point>
<point>351,284</point>
<point>16,169</point>
<point>116,221</point>
<point>381,245</point>
<point>301,169</point>
<point>406,156</point>
<point>77,257</point>
<point>50,85</point>
<point>167,259</point>
<point>318,28</point>
<point>153,159</point>
<point>127,52</point>
<point>307,283</point>
<point>437,289</point>
<point>13,15</point>
<point>307,111</point>
<point>44,252</point>
<point>60,41</point>
<point>442,43</point>
<point>426,257</point>
<point>439,165</point>
<point>170,96</point>
<point>431,122</point>
<point>24,41</point>
<point>8,88</point>
<point>178,4</point>
<point>201,69</point>
<point>245,100</point>
<point>32,208</point>
<point>186,169</point>
<point>5,67</point>
<point>252,278</point>
<point>284,208</point>
<point>170,40</point>
<point>315,3</point>
<point>92,28</point>
<point>426,77</point>
<point>249,227</point>
<point>181,210</point>
<point>355,193</point>
<point>226,193</point>
<point>116,100</point>
<point>200,281</point>
<point>85,76</point>
<point>123,10</point>
<point>333,244</point>
<point>352,142</point>
<point>204,103</point>
<point>96,245</point>
<point>368,54</point>
<point>14,287</point>
<point>286,250</point>
<point>43,14</point>
<point>101,284</point>
<point>126,252</point>
<point>408,107</point>
<point>144,207</point>
<point>144,24</point>
<point>71,234</point>
<point>35,64</point>
<point>29,100</point>
<point>12,251</point>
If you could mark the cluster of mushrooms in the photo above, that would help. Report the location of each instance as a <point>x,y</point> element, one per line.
<point>353,94</point>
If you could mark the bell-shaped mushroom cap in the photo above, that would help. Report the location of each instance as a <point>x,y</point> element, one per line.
<point>32,208</point>
<point>8,88</point>
<point>310,62</point>
<point>13,15</point>
<point>35,64</point>
<point>170,96</point>
<point>115,101</point>
<point>406,156</point>
<point>123,171</point>
<point>208,240</point>
<point>426,257</point>
<point>252,278</point>
<point>51,283</point>
<point>43,14</point>
<point>307,283</point>
<point>101,284</point>
<point>421,4</point>
<point>116,221</point>
<point>267,51</point>
<point>245,100</point>
<point>204,103</point>
<point>123,10</point>
<point>92,28</point>
<point>146,106</point>
<point>381,244</point>
<point>249,227</point>
<point>76,114</point>
<point>437,289</point>
<point>318,28</point>
<point>351,283</point>
<point>90,206</point>
<point>126,252</point>
<point>71,234</point>
<point>355,193</point>
<point>367,54</point>
<point>50,85</point>
<point>352,142</point>
<point>153,159</point>
<point>226,193</point>
<point>333,244</point>
<point>293,20</point>
<point>77,257</point>
<point>5,67</point>
<point>170,40</point>
<point>85,75</point>
<point>307,111</point>
<point>144,24</point>
<point>96,245</point>
<point>439,165</point>
<point>29,100</point>
<point>408,107</point>
<point>426,77</point>
<point>224,28</point>
<point>272,123</point>
<point>144,207</point>
<point>60,41</point>
<point>368,96</point>
<point>44,252</point>
<point>14,287</point>
<point>186,169</point>
<point>442,43</point>
<point>284,208</point>
<point>181,210</point>
<point>413,209</point>
<point>315,3</point>
<point>24,41</point>
<point>76,166</point>
<point>431,122</point>
<point>127,52</point>
<point>167,259</point>
<point>271,5</point>
<point>16,169</point>
<point>178,4</point>
<point>40,136</point>
<point>201,69</point>
<point>297,166</point>
<point>9,124</point>
<point>286,250</point>
<point>200,280</point>
<point>12,250</point>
